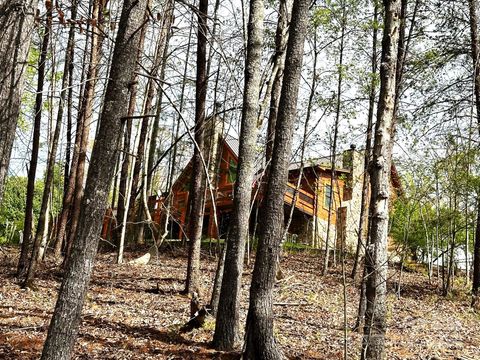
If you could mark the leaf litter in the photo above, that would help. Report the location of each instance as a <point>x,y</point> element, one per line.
<point>135,312</point>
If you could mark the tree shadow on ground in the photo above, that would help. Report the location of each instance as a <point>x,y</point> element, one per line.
<point>173,344</point>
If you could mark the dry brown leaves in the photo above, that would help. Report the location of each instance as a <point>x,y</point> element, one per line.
<point>123,320</point>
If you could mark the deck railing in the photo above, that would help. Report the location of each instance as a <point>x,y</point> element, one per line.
<point>305,201</point>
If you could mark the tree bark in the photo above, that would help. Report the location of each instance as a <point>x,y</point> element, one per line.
<point>43,219</point>
<point>368,145</point>
<point>281,37</point>
<point>165,35</point>
<point>260,341</point>
<point>217,283</point>
<point>197,192</point>
<point>125,174</point>
<point>157,68</point>
<point>475,53</point>
<point>86,112</point>
<point>16,26</point>
<point>334,148</point>
<point>376,261</point>
<point>67,315</point>
<point>70,184</point>
<point>68,147</point>
<point>227,322</point>
<point>23,262</point>
<point>476,261</point>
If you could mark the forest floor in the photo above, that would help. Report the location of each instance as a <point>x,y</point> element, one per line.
<point>123,319</point>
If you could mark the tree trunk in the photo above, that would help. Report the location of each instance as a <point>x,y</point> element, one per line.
<point>281,37</point>
<point>217,283</point>
<point>125,174</point>
<point>86,112</point>
<point>227,322</point>
<point>16,26</point>
<point>475,53</point>
<point>368,145</point>
<point>376,261</point>
<point>177,134</point>
<point>123,219</point>
<point>197,192</point>
<point>67,315</point>
<point>43,219</point>
<point>334,148</point>
<point>70,186</point>
<point>165,35</point>
<point>157,71</point>
<point>476,261</point>
<point>260,341</point>
<point>23,264</point>
<point>68,147</point>
<point>138,166</point>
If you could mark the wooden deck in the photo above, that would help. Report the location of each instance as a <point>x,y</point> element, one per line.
<point>305,200</point>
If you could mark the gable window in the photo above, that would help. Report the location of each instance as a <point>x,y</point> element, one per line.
<point>328,196</point>
<point>232,171</point>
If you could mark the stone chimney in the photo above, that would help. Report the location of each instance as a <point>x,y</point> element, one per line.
<point>353,160</point>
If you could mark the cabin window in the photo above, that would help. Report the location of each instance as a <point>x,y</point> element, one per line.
<point>328,196</point>
<point>232,171</point>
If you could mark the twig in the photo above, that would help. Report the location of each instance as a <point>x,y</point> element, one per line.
<point>290,304</point>
<point>28,328</point>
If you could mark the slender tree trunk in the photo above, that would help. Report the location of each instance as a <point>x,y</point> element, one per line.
<point>281,37</point>
<point>123,219</point>
<point>362,301</point>
<point>143,153</point>
<point>217,283</point>
<point>476,261</point>
<point>147,106</point>
<point>87,113</point>
<point>334,147</point>
<point>165,35</point>
<point>227,322</point>
<point>197,192</point>
<point>437,224</point>
<point>259,338</point>
<point>302,148</point>
<point>32,171</point>
<point>368,145</point>
<point>68,147</point>
<point>475,53</point>
<point>177,138</point>
<point>138,165</point>
<point>125,173</point>
<point>182,103</point>
<point>69,193</point>
<point>67,315</point>
<point>16,27</point>
<point>43,219</point>
<point>376,261</point>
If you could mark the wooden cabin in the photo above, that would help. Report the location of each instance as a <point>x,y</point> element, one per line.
<point>325,206</point>
<point>317,194</point>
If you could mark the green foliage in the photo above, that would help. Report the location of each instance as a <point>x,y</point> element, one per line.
<point>295,247</point>
<point>12,209</point>
<point>321,17</point>
<point>451,184</point>
<point>28,97</point>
